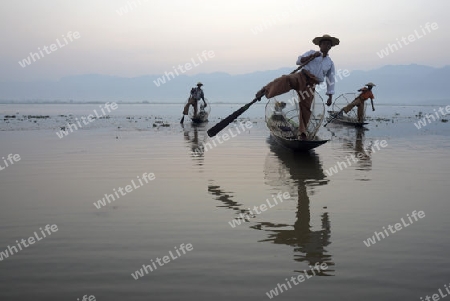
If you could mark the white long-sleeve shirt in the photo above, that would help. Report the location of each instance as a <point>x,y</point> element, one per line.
<point>320,67</point>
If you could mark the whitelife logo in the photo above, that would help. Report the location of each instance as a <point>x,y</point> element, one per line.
<point>11,158</point>
<point>146,177</point>
<point>187,66</point>
<point>86,298</point>
<point>427,119</point>
<point>436,297</point>
<point>86,120</point>
<point>131,5</point>
<point>281,197</point>
<point>391,48</point>
<point>359,156</point>
<point>199,151</point>
<point>398,226</point>
<point>31,241</point>
<point>166,259</point>
<point>49,49</point>
<point>281,287</point>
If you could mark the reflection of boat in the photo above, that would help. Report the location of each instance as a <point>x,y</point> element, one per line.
<point>298,145</point>
<point>351,118</point>
<point>282,119</point>
<point>357,146</point>
<point>195,137</point>
<point>299,174</point>
<point>203,112</point>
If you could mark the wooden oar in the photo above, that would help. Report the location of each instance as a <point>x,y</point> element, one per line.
<point>225,122</point>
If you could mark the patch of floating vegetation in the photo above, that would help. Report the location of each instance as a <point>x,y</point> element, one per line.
<point>37,116</point>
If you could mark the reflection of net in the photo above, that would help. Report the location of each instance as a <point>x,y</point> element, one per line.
<point>282,116</point>
<point>342,101</point>
<point>202,111</point>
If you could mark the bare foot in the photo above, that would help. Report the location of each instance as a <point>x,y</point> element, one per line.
<point>302,137</point>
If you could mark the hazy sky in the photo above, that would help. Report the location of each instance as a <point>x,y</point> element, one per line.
<point>244,36</point>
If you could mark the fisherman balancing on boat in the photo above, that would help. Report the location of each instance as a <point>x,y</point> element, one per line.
<point>318,67</point>
<point>195,96</point>
<point>366,93</point>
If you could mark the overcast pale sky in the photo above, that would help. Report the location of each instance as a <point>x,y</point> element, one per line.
<point>138,37</point>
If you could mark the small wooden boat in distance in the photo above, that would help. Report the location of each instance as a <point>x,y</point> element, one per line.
<point>345,120</point>
<point>351,118</point>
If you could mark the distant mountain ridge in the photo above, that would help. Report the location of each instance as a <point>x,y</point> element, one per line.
<point>396,84</point>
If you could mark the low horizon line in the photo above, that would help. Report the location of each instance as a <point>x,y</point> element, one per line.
<point>209,73</point>
<point>174,103</point>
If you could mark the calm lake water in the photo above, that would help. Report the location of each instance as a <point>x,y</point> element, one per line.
<point>193,199</point>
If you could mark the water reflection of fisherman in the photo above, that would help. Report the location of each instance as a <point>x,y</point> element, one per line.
<point>227,199</point>
<point>195,144</point>
<point>305,171</point>
<point>363,154</point>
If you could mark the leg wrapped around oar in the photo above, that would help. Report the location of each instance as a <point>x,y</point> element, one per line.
<point>306,98</point>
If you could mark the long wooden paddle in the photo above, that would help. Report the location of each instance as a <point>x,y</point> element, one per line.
<point>226,121</point>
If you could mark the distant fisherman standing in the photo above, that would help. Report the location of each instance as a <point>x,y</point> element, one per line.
<point>366,93</point>
<point>196,95</point>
